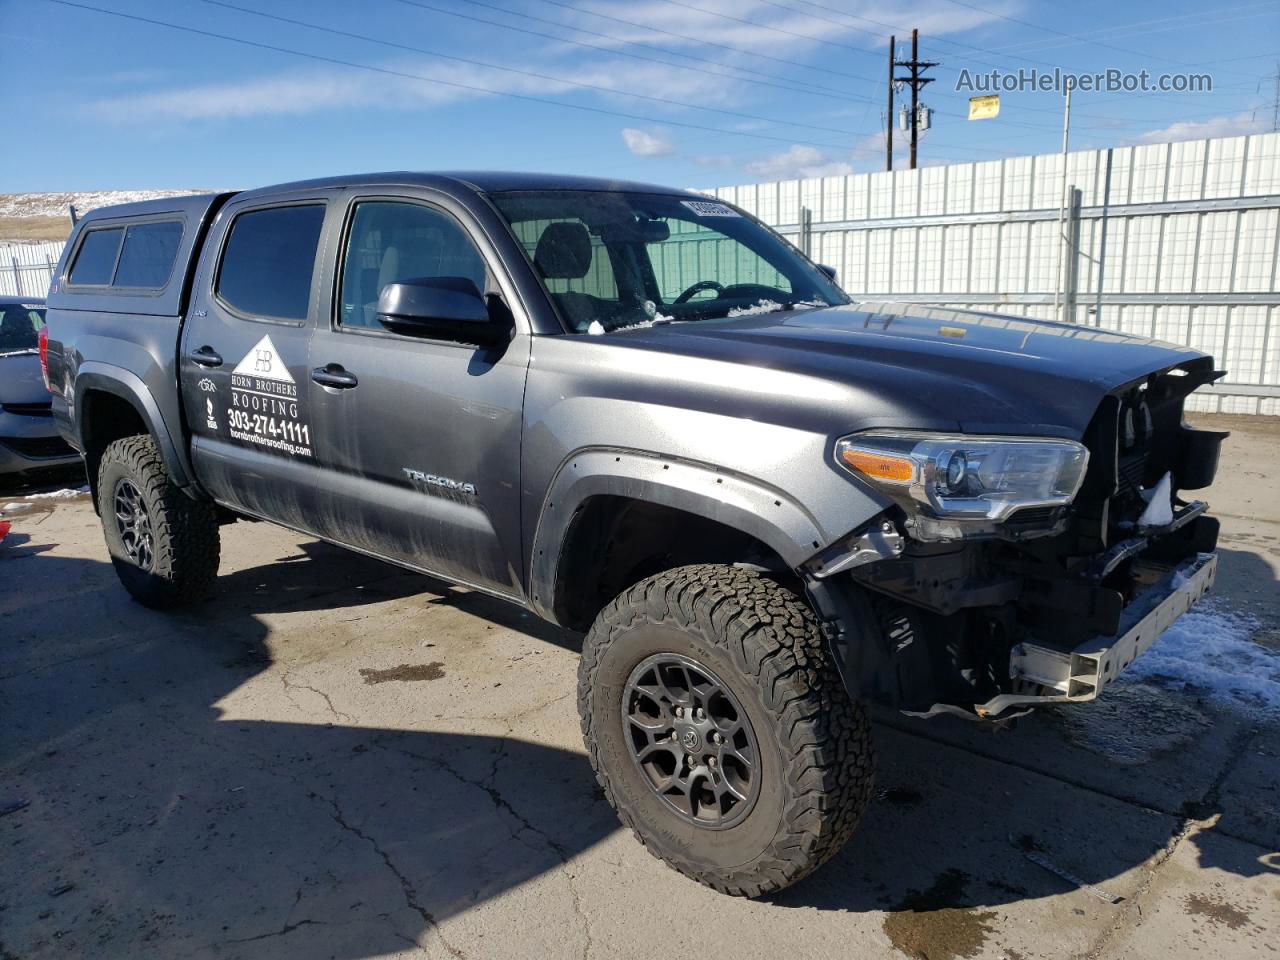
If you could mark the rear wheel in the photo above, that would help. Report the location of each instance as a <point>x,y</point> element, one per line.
<point>163,544</point>
<point>719,729</point>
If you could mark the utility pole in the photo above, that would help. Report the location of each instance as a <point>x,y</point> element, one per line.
<point>1275,106</point>
<point>1059,302</point>
<point>917,81</point>
<point>888,118</point>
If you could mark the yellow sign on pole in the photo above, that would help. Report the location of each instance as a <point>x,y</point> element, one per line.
<point>984,108</point>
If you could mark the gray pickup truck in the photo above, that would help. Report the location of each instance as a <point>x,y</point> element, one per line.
<point>646,417</point>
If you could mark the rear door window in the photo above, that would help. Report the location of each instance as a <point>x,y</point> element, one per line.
<point>96,261</point>
<point>269,259</point>
<point>146,260</point>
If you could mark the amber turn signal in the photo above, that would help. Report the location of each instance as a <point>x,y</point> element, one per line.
<point>880,466</point>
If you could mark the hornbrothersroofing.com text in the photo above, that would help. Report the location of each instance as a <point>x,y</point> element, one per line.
<point>1059,81</point>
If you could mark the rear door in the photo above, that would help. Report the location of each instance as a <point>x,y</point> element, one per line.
<point>244,355</point>
<point>419,439</point>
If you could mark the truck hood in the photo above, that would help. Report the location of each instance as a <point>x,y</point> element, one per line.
<point>20,379</point>
<point>905,365</point>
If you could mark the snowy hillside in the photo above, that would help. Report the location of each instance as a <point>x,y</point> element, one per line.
<point>24,205</point>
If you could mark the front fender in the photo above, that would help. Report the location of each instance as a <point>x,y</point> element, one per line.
<point>95,375</point>
<point>744,503</point>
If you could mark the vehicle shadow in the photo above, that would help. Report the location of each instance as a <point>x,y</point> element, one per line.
<point>179,825</point>
<point>171,810</point>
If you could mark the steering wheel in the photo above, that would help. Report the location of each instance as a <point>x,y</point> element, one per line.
<point>698,288</point>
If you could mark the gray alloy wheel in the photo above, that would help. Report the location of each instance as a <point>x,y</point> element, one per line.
<point>163,543</point>
<point>133,525</point>
<point>720,730</point>
<point>692,740</point>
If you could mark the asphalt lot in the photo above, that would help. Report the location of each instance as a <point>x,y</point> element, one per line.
<point>334,758</point>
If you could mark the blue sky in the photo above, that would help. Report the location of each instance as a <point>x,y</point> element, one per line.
<point>730,91</point>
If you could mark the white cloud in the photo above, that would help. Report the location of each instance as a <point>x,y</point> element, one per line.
<point>798,162</point>
<point>304,91</point>
<point>1226,125</point>
<point>760,25</point>
<point>644,144</point>
<point>311,90</point>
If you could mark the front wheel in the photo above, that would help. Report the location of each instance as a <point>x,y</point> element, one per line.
<point>719,729</point>
<point>163,544</point>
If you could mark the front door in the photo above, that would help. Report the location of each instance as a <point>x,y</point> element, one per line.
<point>419,439</point>
<point>244,359</point>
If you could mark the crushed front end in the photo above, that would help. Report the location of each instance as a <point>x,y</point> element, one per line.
<point>1014,571</point>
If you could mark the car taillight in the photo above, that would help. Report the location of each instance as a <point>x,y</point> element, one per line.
<point>44,357</point>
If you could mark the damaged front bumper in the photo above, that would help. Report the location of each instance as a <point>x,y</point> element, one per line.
<point>1046,674</point>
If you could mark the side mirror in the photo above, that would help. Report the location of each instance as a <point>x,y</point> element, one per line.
<point>829,271</point>
<point>442,308</point>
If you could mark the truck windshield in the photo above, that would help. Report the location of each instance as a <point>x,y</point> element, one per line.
<point>616,260</point>
<point>20,325</point>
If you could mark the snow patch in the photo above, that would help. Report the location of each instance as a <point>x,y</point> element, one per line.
<point>760,306</point>
<point>69,493</point>
<point>643,324</point>
<point>1212,650</point>
<point>597,328</point>
<point>1159,511</point>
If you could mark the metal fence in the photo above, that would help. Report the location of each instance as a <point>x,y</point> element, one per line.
<point>25,268</point>
<point>1176,241</point>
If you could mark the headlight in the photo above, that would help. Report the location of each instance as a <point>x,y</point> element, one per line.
<point>963,478</point>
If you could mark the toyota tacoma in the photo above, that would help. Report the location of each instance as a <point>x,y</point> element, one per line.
<point>644,416</point>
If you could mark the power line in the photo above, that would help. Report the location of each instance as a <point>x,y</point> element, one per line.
<point>881,23</point>
<point>951,43</point>
<point>766,26</point>
<point>475,88</point>
<point>1036,26</point>
<point>804,85</point>
<point>658,30</point>
<point>1196,18</point>
<point>525,73</point>
<point>454,84</point>
<point>641,26</point>
<point>703,41</point>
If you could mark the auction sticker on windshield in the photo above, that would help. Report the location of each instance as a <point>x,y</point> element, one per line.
<point>707,208</point>
<point>265,409</point>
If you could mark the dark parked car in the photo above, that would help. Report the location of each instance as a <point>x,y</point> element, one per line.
<point>643,415</point>
<point>29,440</point>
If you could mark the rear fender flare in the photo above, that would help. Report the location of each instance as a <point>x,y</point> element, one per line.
<point>769,515</point>
<point>108,378</point>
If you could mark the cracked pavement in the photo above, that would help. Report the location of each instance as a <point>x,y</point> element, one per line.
<point>226,782</point>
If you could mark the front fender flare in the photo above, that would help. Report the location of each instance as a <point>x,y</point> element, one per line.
<point>770,515</point>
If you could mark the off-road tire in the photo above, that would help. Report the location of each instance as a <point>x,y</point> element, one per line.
<point>184,531</point>
<point>814,742</point>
